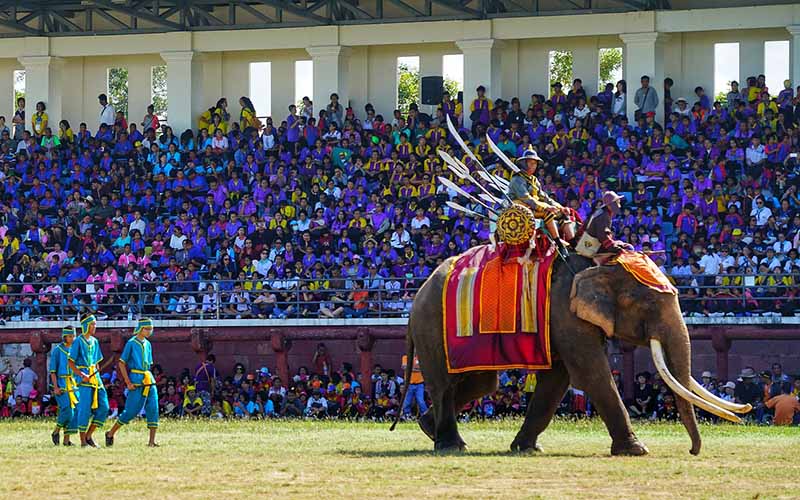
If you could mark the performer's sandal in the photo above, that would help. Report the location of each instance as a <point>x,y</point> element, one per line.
<point>55,436</point>
<point>109,440</point>
<point>90,442</point>
<point>68,443</point>
<point>153,445</point>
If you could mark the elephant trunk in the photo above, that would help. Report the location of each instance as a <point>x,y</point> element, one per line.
<point>679,358</point>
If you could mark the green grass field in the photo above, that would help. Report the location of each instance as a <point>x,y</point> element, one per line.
<point>331,460</point>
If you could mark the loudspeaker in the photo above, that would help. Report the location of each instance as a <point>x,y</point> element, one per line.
<point>432,88</point>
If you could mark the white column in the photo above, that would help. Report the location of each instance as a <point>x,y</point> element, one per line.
<point>43,83</point>
<point>586,66</point>
<point>794,70</point>
<point>331,71</point>
<point>644,55</point>
<point>482,66</point>
<point>180,90</point>
<point>751,60</point>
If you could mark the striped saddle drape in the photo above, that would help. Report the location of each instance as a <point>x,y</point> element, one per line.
<point>496,310</point>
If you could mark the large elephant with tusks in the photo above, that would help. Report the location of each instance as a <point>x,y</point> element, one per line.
<point>586,308</point>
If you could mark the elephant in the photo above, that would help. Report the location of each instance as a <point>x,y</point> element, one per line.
<point>586,308</point>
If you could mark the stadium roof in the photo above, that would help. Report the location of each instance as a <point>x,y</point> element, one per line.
<point>92,17</point>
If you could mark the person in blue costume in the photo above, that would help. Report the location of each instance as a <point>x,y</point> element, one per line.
<point>84,360</point>
<point>64,388</point>
<point>134,367</point>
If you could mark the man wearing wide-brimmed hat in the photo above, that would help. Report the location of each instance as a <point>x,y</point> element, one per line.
<point>749,392</point>
<point>597,235</point>
<point>525,188</point>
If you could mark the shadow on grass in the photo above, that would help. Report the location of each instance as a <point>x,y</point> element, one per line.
<point>468,453</point>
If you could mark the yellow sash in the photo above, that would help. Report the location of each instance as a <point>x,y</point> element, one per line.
<point>71,389</point>
<point>93,382</point>
<point>147,381</point>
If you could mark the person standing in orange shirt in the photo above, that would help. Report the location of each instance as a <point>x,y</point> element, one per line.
<point>415,389</point>
<point>786,405</point>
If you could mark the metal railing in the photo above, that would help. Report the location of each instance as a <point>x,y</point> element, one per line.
<point>208,300</point>
<point>347,297</point>
<point>739,294</point>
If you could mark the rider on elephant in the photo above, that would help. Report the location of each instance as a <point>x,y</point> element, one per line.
<point>526,188</point>
<point>597,235</point>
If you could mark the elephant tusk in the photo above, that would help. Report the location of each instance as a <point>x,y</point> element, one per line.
<point>661,365</point>
<point>711,398</point>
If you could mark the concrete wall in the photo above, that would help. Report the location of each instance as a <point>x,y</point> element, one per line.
<point>222,57</point>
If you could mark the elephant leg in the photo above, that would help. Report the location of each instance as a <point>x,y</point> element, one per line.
<point>446,436</point>
<point>471,387</point>
<point>550,388</point>
<point>592,374</point>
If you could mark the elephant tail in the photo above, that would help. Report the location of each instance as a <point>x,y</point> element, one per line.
<point>406,376</point>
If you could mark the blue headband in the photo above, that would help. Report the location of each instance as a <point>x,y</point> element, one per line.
<point>142,324</point>
<point>86,321</point>
<point>67,330</point>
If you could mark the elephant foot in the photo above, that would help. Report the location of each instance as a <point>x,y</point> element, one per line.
<point>632,448</point>
<point>523,446</point>
<point>428,425</point>
<point>450,447</point>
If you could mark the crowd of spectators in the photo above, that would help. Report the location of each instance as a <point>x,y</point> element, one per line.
<point>320,391</point>
<point>774,396</point>
<point>336,212</point>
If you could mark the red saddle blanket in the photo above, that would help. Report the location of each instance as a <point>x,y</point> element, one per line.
<point>497,311</point>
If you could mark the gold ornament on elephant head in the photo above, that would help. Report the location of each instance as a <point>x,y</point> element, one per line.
<point>516,225</point>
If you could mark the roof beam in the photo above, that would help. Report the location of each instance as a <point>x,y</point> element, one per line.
<point>141,14</point>
<point>24,28</point>
<point>255,13</point>
<point>281,4</point>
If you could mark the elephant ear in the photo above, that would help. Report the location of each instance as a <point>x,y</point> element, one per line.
<point>592,298</point>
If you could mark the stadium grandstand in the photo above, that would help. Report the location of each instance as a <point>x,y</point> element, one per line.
<point>258,174</point>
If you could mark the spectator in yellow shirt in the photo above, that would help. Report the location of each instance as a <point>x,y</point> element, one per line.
<point>65,133</point>
<point>766,104</point>
<point>248,118</point>
<point>39,120</point>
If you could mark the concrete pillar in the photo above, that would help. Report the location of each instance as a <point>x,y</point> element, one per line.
<point>365,343</point>
<point>644,55</point>
<point>282,88</point>
<point>201,344</point>
<point>794,66</point>
<point>586,66</point>
<point>430,64</point>
<point>751,60</point>
<point>43,83</point>
<point>180,89</point>
<point>331,70</point>
<point>511,68</point>
<point>482,66</point>
<point>722,345</point>
<point>280,346</point>
<point>40,348</point>
<point>140,93</point>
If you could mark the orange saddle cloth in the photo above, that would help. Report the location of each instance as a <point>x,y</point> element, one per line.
<point>645,271</point>
<point>496,310</point>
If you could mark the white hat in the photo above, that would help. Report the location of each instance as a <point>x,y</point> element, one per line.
<point>681,99</point>
<point>706,374</point>
<point>356,256</point>
<point>730,385</point>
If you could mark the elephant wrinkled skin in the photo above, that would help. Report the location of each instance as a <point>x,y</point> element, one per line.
<point>586,308</point>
